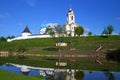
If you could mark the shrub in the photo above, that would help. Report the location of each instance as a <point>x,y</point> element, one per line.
<point>113,55</point>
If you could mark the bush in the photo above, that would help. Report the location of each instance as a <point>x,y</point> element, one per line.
<point>113,55</point>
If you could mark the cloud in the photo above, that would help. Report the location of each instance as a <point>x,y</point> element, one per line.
<point>52,25</point>
<point>118,18</point>
<point>3,16</point>
<point>20,24</point>
<point>31,3</point>
<point>86,30</point>
<point>44,26</point>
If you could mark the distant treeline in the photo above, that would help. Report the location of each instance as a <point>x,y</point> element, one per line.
<point>4,39</point>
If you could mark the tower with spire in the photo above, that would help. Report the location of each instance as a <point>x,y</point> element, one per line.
<point>70,16</point>
<point>26,32</point>
<point>70,24</point>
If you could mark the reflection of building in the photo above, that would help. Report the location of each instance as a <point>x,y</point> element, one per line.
<point>4,54</point>
<point>70,24</point>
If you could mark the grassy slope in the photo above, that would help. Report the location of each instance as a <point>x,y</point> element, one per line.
<point>4,75</point>
<point>82,44</point>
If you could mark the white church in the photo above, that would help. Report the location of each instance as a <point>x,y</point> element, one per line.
<point>70,24</point>
<point>69,27</point>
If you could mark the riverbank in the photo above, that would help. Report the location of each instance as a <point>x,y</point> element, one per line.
<point>5,75</point>
<point>42,52</point>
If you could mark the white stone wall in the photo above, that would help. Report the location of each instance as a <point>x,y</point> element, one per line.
<point>29,37</point>
<point>26,34</point>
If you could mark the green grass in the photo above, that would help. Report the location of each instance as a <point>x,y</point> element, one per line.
<point>4,75</point>
<point>83,45</point>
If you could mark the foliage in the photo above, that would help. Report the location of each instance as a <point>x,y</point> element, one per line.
<point>58,29</point>
<point>10,37</point>
<point>3,39</point>
<point>90,33</point>
<point>113,55</point>
<point>110,29</point>
<point>79,30</point>
<point>50,31</point>
<point>105,32</point>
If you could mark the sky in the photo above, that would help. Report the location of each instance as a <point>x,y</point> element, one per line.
<point>93,15</point>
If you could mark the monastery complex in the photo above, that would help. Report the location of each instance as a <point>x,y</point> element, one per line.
<point>69,29</point>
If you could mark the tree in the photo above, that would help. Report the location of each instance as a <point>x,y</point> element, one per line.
<point>90,33</point>
<point>110,29</point>
<point>60,30</point>
<point>79,30</point>
<point>3,39</point>
<point>50,31</point>
<point>10,37</point>
<point>105,31</point>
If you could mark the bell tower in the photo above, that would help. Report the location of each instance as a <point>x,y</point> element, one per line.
<point>70,16</point>
<point>70,24</point>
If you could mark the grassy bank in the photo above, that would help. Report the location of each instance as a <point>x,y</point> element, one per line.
<point>83,45</point>
<point>47,45</point>
<point>4,75</point>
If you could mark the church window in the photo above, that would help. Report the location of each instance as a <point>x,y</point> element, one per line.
<point>71,17</point>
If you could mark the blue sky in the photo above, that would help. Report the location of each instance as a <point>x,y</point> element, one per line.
<point>93,15</point>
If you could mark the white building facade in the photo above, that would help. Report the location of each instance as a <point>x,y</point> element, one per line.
<point>70,24</point>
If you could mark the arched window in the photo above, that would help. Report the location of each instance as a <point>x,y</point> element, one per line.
<point>71,17</point>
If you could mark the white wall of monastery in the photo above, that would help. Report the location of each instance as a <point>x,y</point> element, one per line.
<point>29,37</point>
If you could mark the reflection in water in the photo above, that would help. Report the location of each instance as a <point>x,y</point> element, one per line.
<point>18,70</point>
<point>79,75</point>
<point>82,75</point>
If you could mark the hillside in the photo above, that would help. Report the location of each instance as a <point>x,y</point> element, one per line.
<point>47,45</point>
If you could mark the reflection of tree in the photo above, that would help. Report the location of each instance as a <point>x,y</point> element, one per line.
<point>109,76</point>
<point>113,55</point>
<point>79,75</point>
<point>68,56</point>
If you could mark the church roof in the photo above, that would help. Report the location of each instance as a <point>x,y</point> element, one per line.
<point>26,30</point>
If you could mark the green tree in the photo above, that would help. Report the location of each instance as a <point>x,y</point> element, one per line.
<point>3,39</point>
<point>105,31</point>
<point>110,29</point>
<point>90,33</point>
<point>10,37</point>
<point>59,30</point>
<point>50,31</point>
<point>79,30</point>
